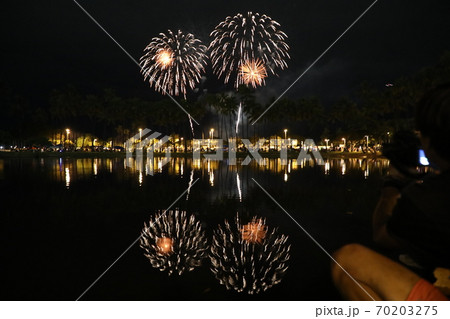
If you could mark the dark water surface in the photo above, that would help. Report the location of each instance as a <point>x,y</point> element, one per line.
<point>65,221</point>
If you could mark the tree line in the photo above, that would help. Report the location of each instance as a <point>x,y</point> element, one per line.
<point>106,116</point>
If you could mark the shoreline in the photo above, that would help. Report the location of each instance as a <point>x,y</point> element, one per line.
<point>291,155</point>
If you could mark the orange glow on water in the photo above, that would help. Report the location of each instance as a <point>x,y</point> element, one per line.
<point>254,232</point>
<point>165,245</point>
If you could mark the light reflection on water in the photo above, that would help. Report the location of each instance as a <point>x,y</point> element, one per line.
<point>339,181</point>
<point>219,175</point>
<point>67,176</point>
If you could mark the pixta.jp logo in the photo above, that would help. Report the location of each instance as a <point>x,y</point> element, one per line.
<point>211,149</point>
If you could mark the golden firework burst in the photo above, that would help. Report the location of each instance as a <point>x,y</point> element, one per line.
<point>252,73</point>
<point>174,62</point>
<point>164,58</point>
<point>247,37</point>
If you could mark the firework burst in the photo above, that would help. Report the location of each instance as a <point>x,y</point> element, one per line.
<point>249,258</point>
<point>244,39</point>
<point>164,59</point>
<point>174,242</point>
<point>252,73</point>
<point>174,62</point>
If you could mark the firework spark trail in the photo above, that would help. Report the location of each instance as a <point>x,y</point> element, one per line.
<point>175,61</point>
<point>191,179</point>
<point>238,182</point>
<point>245,38</point>
<point>238,117</point>
<point>192,126</point>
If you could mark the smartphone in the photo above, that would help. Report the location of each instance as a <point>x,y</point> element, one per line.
<point>423,160</point>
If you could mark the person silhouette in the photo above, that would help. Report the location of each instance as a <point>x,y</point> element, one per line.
<point>412,219</point>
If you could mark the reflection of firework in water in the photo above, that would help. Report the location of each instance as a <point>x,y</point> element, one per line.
<point>254,232</point>
<point>252,73</point>
<point>174,62</point>
<point>174,242</point>
<point>238,117</point>
<point>244,38</point>
<point>249,257</point>
<point>165,245</point>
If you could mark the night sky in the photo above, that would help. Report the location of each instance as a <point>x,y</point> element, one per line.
<point>49,44</point>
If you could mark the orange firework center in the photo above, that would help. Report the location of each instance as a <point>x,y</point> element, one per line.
<point>165,245</point>
<point>254,232</point>
<point>252,72</point>
<point>164,58</point>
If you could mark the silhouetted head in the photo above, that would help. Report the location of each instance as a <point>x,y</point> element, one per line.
<point>433,122</point>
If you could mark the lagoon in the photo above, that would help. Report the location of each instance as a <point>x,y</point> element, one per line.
<point>64,221</point>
